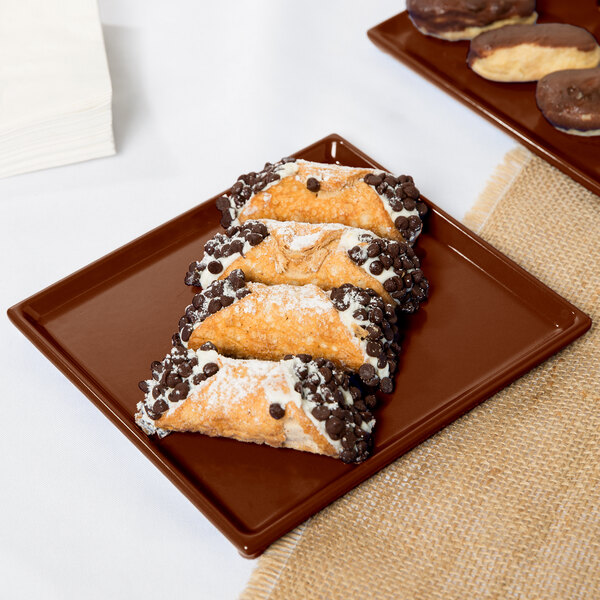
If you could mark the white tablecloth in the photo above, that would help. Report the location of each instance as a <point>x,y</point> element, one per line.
<point>202,93</point>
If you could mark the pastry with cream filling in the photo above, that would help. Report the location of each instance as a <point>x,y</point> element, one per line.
<point>570,100</point>
<point>299,190</point>
<point>297,402</point>
<point>327,255</point>
<point>529,52</point>
<point>465,19</point>
<point>352,327</point>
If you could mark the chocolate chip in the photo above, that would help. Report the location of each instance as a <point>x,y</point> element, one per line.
<point>143,385</point>
<point>410,204</point>
<point>237,279</point>
<point>180,392</point>
<point>348,456</point>
<point>198,379</point>
<point>348,440</point>
<point>371,401</point>
<point>313,184</point>
<point>223,203</point>
<point>305,358</point>
<point>321,413</point>
<point>172,379</point>
<point>186,332</point>
<point>401,223</point>
<point>326,374</point>
<point>390,180</point>
<point>396,204</point>
<point>357,255</point>
<point>422,208</point>
<point>334,426</point>
<point>387,385</point>
<point>276,410</point>
<point>214,306</point>
<point>386,261</point>
<point>376,267</point>
<point>373,250</point>
<point>159,407</point>
<point>373,349</point>
<point>376,315</point>
<point>198,301</point>
<point>373,179</point>
<point>236,247</point>
<point>254,239</point>
<point>366,372</point>
<point>210,369</point>
<point>215,267</point>
<point>226,300</point>
<point>208,346</point>
<point>156,366</point>
<point>414,222</point>
<point>185,370</point>
<point>389,285</point>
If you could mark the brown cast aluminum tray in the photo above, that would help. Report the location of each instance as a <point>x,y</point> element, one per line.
<point>511,106</point>
<point>487,322</point>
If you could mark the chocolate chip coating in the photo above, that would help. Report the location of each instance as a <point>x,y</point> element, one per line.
<point>570,100</point>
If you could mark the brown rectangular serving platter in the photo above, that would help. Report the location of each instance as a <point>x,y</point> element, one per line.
<point>511,106</point>
<point>487,322</point>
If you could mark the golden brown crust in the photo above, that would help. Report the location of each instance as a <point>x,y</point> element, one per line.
<point>270,324</point>
<point>276,260</point>
<point>342,198</point>
<point>235,403</point>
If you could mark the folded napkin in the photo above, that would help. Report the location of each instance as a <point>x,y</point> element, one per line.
<point>503,503</point>
<point>55,91</point>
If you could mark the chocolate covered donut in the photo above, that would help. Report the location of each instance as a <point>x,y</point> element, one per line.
<point>529,52</point>
<point>570,100</point>
<point>464,19</point>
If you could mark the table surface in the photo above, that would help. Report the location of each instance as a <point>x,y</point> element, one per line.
<point>202,93</point>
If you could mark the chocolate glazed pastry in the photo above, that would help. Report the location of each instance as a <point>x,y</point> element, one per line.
<point>570,100</point>
<point>529,52</point>
<point>298,402</point>
<point>353,328</point>
<point>298,190</point>
<point>464,19</point>
<point>327,255</point>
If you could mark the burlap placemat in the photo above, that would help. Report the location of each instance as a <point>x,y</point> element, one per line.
<point>505,502</point>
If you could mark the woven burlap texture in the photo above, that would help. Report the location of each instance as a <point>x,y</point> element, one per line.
<point>505,502</point>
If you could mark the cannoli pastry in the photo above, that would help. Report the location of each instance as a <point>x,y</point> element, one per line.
<point>570,100</point>
<point>328,255</point>
<point>298,190</point>
<point>464,19</point>
<point>529,52</point>
<point>295,403</point>
<point>353,328</point>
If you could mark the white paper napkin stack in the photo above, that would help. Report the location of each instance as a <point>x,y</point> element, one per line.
<point>55,91</point>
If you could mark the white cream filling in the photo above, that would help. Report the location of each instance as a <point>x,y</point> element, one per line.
<point>308,405</point>
<point>351,323</point>
<point>144,421</point>
<point>206,277</point>
<point>350,239</point>
<point>394,214</point>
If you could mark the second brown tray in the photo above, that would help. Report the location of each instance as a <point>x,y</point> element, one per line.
<point>511,106</point>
